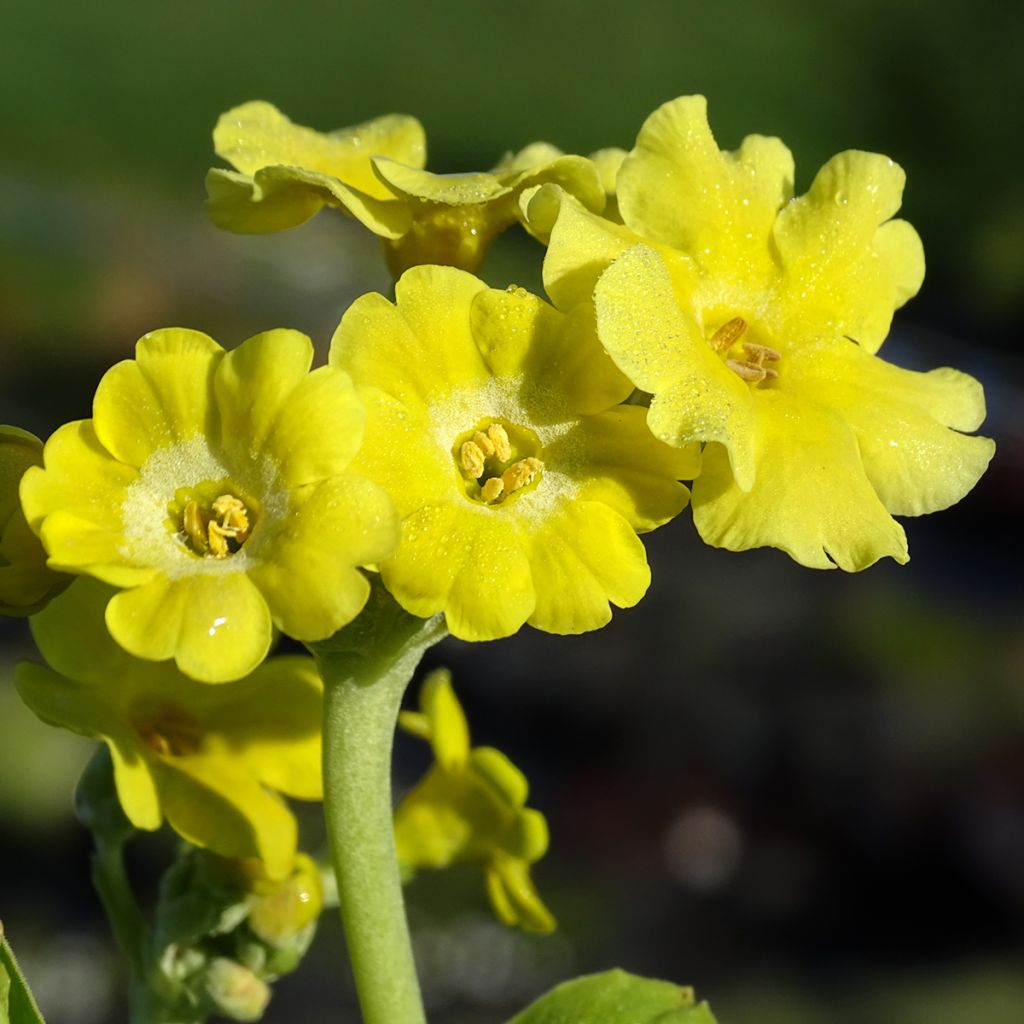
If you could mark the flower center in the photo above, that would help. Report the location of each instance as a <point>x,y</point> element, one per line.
<point>497,460</point>
<point>745,358</point>
<point>210,519</point>
<point>169,732</point>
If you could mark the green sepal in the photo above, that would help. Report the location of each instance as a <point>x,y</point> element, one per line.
<point>615,997</point>
<point>17,1006</point>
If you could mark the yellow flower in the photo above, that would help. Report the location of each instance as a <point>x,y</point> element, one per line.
<point>754,318</point>
<point>374,172</point>
<point>213,487</point>
<point>469,808</point>
<point>204,757</point>
<point>26,584</point>
<point>492,422</point>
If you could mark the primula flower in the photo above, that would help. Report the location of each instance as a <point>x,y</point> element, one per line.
<point>213,487</point>
<point>471,808</point>
<point>204,757</point>
<point>754,318</point>
<point>374,172</point>
<point>26,584</point>
<point>492,422</point>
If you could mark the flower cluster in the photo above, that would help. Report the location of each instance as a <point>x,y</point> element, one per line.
<point>710,339</point>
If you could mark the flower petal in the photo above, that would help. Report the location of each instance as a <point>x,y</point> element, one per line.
<point>580,243</point>
<point>449,731</point>
<point>318,430</point>
<point>309,578</point>
<point>914,462</point>
<point>661,349</point>
<point>843,266</point>
<point>271,723</point>
<point>164,395</point>
<point>217,627</point>
<point>216,805</point>
<point>585,556</point>
<point>519,333</point>
<point>811,497</point>
<point>677,188</point>
<point>418,347</point>
<point>616,460</point>
<point>257,134</point>
<point>469,562</point>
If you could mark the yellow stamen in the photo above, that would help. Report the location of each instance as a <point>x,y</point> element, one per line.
<point>498,437</point>
<point>754,373</point>
<point>218,539</point>
<point>483,442</point>
<point>492,489</point>
<point>234,516</point>
<point>471,458</point>
<point>192,521</point>
<point>171,733</point>
<point>520,473</point>
<point>760,353</point>
<point>728,334</point>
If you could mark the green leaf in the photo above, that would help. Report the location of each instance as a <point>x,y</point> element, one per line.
<point>16,1003</point>
<point>616,997</point>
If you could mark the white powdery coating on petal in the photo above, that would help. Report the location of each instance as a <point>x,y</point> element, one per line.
<point>150,540</point>
<point>500,398</point>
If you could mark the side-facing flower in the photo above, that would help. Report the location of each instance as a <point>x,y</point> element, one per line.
<point>285,173</point>
<point>206,758</point>
<point>754,318</point>
<point>492,421</point>
<point>470,807</point>
<point>214,488</point>
<point>26,584</point>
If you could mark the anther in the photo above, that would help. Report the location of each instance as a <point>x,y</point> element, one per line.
<point>192,521</point>
<point>484,443</point>
<point>471,458</point>
<point>749,371</point>
<point>218,539</point>
<point>760,353</point>
<point>520,473</point>
<point>498,437</point>
<point>492,490</point>
<point>728,334</point>
<point>234,518</point>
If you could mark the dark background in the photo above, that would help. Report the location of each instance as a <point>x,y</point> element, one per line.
<point>801,792</point>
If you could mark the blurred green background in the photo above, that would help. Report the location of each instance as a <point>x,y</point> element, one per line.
<point>801,792</point>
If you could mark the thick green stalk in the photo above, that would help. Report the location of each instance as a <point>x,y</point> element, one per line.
<point>366,669</point>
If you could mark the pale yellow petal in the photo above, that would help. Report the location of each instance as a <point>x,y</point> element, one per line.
<point>162,396</point>
<point>811,496</point>
<point>584,557</point>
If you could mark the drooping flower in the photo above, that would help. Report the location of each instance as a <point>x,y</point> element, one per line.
<point>754,318</point>
<point>470,807</point>
<point>492,421</point>
<point>209,759</point>
<point>214,488</point>
<point>374,172</point>
<point>26,584</point>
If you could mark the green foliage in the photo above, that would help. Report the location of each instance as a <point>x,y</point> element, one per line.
<point>615,997</point>
<point>16,1003</point>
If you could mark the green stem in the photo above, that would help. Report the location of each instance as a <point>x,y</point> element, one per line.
<point>123,913</point>
<point>366,669</point>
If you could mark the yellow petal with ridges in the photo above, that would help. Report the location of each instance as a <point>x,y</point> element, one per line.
<point>256,134</point>
<point>677,188</point>
<point>449,731</point>
<point>913,460</point>
<point>162,396</point>
<point>318,429</point>
<point>468,562</point>
<point>583,557</point>
<point>580,244</point>
<point>270,722</point>
<point>418,347</point>
<point>311,583</point>
<point>616,460</point>
<point>811,496</point>
<point>217,627</point>
<point>80,477</point>
<point>662,350</point>
<point>842,267</point>
<point>519,333</point>
<point>254,383</point>
<point>219,806</point>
